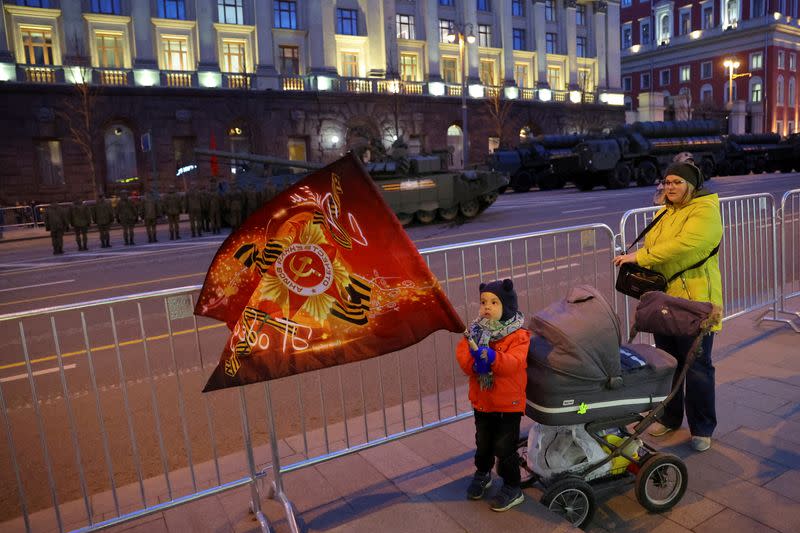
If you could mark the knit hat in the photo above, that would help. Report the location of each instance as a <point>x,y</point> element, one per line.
<point>687,171</point>
<point>504,290</point>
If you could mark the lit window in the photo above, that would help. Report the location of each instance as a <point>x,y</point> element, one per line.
<point>405,26</point>
<point>233,56</point>
<point>349,65</point>
<point>550,10</point>
<point>550,43</point>
<point>230,11</point>
<point>781,59</point>
<point>34,3</point>
<point>450,70</point>
<point>172,9</point>
<point>50,163</point>
<point>38,46</point>
<point>755,93</point>
<point>346,21</point>
<point>408,67</point>
<point>289,60</point>
<point>176,53</point>
<point>585,80</point>
<point>580,15</point>
<point>521,74</point>
<point>487,72</point>
<point>285,14</point>
<point>554,78</point>
<point>686,73</point>
<point>109,50</point>
<point>519,39</point>
<point>580,46</point>
<point>484,35</point>
<point>756,61</point>
<point>106,7</point>
<point>445,27</point>
<point>517,8</point>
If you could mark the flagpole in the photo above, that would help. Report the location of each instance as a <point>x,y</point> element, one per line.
<point>255,497</point>
<point>277,483</point>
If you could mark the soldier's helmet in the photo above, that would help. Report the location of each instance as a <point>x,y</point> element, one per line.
<point>683,157</point>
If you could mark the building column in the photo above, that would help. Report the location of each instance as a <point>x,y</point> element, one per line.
<point>380,34</point>
<point>266,74</point>
<point>75,47</point>
<point>600,42</point>
<point>571,31</point>
<point>430,15</point>
<point>205,16</point>
<point>614,80</point>
<point>507,36</point>
<point>5,52</point>
<point>470,14</point>
<point>541,43</point>
<point>321,36</point>
<point>145,47</point>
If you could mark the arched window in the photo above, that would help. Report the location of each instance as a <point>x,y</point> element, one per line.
<point>732,12</point>
<point>628,103</point>
<point>120,154</point>
<point>791,92</point>
<point>239,143</point>
<point>756,90</point>
<point>780,90</point>
<point>665,29</point>
<point>707,94</point>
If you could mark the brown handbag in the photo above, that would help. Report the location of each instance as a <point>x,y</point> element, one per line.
<point>662,314</point>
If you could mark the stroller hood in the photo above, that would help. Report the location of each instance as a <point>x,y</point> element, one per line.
<point>584,332</point>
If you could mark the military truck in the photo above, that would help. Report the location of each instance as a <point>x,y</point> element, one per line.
<point>417,187</point>
<point>546,161</point>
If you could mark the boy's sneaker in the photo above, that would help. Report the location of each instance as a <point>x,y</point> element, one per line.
<point>480,482</point>
<point>506,498</point>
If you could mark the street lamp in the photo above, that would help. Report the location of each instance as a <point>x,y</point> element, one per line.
<point>464,37</point>
<point>731,65</point>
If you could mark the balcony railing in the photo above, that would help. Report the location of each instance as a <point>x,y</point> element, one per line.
<point>357,85</point>
<point>112,76</point>
<point>177,79</point>
<point>399,86</point>
<point>452,90</point>
<point>40,74</point>
<point>237,81</point>
<point>293,83</point>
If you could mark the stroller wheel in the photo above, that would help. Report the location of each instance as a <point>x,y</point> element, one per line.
<point>572,498</point>
<point>526,476</point>
<point>661,482</point>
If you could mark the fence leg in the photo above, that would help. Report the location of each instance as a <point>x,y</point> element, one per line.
<point>255,497</point>
<point>277,492</point>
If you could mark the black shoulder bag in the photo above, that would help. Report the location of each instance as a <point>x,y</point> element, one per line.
<point>634,280</point>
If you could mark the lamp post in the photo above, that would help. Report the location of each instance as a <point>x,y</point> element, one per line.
<point>731,65</point>
<point>464,36</point>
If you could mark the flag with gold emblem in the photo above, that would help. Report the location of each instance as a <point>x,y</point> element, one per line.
<point>322,275</point>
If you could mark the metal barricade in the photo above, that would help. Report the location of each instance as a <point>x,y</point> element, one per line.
<point>105,421</point>
<point>748,254</point>
<point>16,217</point>
<point>789,218</point>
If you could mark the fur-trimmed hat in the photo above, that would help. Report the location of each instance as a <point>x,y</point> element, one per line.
<point>687,171</point>
<point>504,290</point>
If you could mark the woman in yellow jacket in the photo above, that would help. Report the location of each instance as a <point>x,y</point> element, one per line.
<point>685,240</point>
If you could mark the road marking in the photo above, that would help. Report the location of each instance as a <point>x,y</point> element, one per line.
<point>23,265</point>
<point>37,285</point>
<point>37,373</point>
<point>584,209</point>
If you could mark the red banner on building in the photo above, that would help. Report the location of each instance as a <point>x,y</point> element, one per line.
<point>322,275</point>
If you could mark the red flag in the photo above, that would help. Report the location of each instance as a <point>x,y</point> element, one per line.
<point>322,275</point>
<point>212,145</point>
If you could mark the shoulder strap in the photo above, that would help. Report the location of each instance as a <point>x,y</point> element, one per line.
<point>648,228</point>
<point>699,263</point>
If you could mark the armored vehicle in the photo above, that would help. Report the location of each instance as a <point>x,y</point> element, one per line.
<point>546,161</point>
<point>415,186</point>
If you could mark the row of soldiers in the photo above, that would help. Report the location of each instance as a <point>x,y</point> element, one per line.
<point>204,207</point>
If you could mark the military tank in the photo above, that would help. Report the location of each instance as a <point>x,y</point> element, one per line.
<point>416,187</point>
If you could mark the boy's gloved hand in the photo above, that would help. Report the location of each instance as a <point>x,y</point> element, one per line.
<point>484,357</point>
<point>481,366</point>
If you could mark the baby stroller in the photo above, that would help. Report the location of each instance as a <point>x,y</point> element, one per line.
<point>585,390</point>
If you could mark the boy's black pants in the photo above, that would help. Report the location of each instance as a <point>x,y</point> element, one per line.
<point>496,435</point>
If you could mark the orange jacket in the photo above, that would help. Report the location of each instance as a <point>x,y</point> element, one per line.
<point>507,395</point>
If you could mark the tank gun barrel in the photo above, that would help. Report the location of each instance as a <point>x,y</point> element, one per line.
<point>265,159</point>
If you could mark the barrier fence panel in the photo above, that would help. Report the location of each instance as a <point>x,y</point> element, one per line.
<point>104,420</point>
<point>16,217</point>
<point>789,217</point>
<point>748,254</point>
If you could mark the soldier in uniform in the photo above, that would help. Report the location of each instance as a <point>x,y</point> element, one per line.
<point>173,205</point>
<point>103,217</point>
<point>56,222</point>
<point>194,206</point>
<point>205,197</point>
<point>127,216</point>
<point>234,204</point>
<point>252,200</point>
<point>80,218</point>
<point>150,210</point>
<point>214,207</point>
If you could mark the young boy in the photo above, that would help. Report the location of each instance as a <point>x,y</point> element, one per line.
<point>494,356</point>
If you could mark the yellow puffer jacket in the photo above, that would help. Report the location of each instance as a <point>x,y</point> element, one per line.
<point>684,236</point>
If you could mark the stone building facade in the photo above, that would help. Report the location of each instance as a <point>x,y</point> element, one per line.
<point>96,95</point>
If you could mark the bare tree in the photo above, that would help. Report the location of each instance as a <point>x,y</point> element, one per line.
<point>498,109</point>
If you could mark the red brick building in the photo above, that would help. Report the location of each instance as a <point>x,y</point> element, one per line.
<point>674,57</point>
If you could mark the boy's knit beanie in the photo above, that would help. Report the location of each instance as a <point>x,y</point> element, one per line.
<point>504,290</point>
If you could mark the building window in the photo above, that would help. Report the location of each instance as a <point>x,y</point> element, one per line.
<point>517,8</point>
<point>38,46</point>
<point>626,3</point>
<point>755,92</point>
<point>120,147</point>
<point>484,5</point>
<point>793,62</point>
<point>585,80</point>
<point>176,53</point>
<point>686,73</point>
<point>707,94</point>
<point>758,8</point>
<point>580,46</point>
<point>521,75</point>
<point>230,11</point>
<point>781,59</point>
<point>664,77</point>
<point>627,84</point>
<point>484,35</point>
<point>346,21</point>
<point>297,148</point>
<point>519,39</point>
<point>686,22</point>
<point>790,125</point>
<point>550,10</point>
<point>33,3</point>
<point>708,16</point>
<point>405,26</point>
<point>408,67</point>
<point>550,43</point>
<point>487,72</point>
<point>172,9</point>
<point>444,30</point>
<point>554,78</point>
<point>644,81</point>
<point>731,13</point>
<point>706,70</point>
<point>627,36</point>
<point>51,166</point>
<point>644,32</point>
<point>780,91</point>
<point>447,3</point>
<point>106,7</point>
<point>349,65</point>
<point>110,50</point>
<point>289,60</point>
<point>664,28</point>
<point>791,92</point>
<point>580,15</point>
<point>233,56</point>
<point>285,14</point>
<point>756,61</point>
<point>450,70</point>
